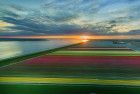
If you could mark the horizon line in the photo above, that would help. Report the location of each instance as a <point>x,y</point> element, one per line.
<point>76,37</point>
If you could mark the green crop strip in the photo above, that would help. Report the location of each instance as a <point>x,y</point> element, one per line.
<point>97,53</point>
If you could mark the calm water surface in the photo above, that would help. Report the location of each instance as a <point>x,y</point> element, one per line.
<point>10,49</point>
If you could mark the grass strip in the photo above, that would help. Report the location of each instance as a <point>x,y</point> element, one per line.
<point>68,81</point>
<point>96,53</point>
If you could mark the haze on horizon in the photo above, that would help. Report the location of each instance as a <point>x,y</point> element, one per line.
<point>69,17</point>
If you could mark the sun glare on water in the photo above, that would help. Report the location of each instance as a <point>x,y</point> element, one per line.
<point>84,38</point>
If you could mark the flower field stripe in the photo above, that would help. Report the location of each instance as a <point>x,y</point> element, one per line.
<point>68,81</point>
<point>83,60</point>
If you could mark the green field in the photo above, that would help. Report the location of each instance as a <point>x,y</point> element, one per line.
<point>97,53</point>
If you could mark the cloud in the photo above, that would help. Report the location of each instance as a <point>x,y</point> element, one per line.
<point>5,24</point>
<point>69,16</point>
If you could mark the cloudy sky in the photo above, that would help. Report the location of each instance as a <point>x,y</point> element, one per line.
<point>57,17</point>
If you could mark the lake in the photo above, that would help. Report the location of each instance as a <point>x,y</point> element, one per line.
<point>9,49</point>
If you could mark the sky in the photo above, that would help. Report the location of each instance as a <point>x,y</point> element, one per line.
<point>69,17</point>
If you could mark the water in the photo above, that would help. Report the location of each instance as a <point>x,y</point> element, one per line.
<point>9,49</point>
<point>102,43</point>
<point>135,45</point>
